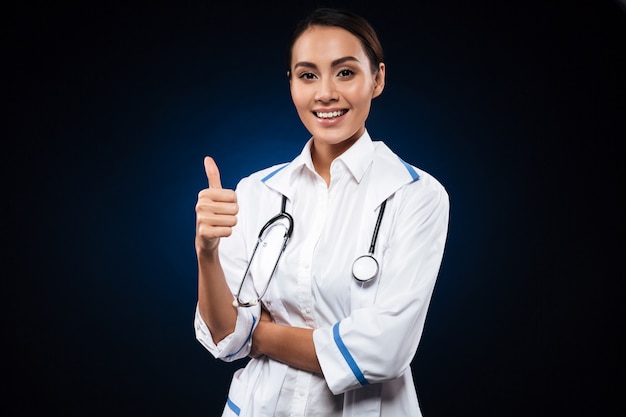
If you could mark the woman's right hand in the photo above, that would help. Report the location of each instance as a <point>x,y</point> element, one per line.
<point>216,211</point>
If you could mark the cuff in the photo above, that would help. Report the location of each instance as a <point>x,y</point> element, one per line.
<point>236,345</point>
<point>340,370</point>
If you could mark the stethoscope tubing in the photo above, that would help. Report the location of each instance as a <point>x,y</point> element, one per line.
<point>282,215</point>
<point>366,261</point>
<point>366,267</point>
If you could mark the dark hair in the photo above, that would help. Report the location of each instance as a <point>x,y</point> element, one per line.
<point>344,19</point>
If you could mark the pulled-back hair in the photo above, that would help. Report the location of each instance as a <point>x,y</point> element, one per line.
<point>344,19</point>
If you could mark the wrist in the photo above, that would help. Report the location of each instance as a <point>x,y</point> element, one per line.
<point>259,336</point>
<point>206,252</point>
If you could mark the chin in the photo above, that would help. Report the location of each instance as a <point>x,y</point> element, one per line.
<point>333,138</point>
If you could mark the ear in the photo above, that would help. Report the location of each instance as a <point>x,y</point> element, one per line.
<point>379,81</point>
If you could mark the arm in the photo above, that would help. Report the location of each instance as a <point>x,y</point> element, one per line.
<point>381,339</point>
<point>377,341</point>
<point>216,211</point>
<point>214,297</point>
<point>291,345</point>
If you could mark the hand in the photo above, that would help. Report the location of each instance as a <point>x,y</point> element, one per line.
<point>265,315</point>
<point>265,318</point>
<point>216,210</point>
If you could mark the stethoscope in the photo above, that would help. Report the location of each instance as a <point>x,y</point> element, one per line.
<point>364,268</point>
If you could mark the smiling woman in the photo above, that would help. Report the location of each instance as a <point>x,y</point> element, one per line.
<point>323,339</point>
<point>517,107</point>
<point>332,86</point>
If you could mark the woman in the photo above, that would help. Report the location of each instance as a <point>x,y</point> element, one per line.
<point>322,342</point>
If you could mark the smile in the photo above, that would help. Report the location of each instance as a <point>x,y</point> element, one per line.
<point>330,114</point>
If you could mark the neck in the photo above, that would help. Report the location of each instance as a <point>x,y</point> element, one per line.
<point>323,155</point>
<point>321,163</point>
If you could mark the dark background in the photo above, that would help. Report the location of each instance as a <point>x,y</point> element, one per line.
<point>517,107</point>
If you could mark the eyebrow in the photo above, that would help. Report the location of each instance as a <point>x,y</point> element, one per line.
<point>335,63</point>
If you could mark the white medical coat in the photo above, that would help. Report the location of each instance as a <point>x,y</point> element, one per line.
<point>366,335</point>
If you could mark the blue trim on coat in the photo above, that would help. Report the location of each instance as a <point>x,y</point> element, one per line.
<point>348,357</point>
<point>233,406</point>
<point>411,170</point>
<point>271,174</point>
<point>247,339</point>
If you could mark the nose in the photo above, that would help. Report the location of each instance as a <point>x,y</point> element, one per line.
<point>327,91</point>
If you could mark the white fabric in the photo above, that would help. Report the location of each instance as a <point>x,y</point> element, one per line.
<point>365,333</point>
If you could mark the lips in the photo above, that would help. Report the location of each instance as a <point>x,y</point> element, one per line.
<point>329,114</point>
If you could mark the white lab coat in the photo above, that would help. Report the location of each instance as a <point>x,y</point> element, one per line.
<point>367,335</point>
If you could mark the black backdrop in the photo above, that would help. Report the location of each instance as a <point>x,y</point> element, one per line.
<point>516,107</point>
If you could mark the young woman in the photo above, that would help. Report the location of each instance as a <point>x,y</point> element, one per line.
<point>331,302</point>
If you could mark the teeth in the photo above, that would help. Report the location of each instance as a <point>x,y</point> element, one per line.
<point>330,115</point>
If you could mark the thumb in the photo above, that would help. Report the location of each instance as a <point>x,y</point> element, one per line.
<point>212,173</point>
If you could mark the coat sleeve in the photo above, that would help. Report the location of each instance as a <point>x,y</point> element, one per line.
<point>234,258</point>
<point>376,343</point>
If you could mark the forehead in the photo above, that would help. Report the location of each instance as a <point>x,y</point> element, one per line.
<point>326,43</point>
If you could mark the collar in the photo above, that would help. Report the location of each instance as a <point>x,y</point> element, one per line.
<point>389,172</point>
<point>357,158</point>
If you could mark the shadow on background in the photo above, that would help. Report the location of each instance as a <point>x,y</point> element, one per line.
<point>517,108</point>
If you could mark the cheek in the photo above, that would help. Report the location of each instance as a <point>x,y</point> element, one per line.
<point>298,97</point>
<point>360,94</point>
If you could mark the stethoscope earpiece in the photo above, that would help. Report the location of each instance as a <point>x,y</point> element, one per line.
<point>237,303</point>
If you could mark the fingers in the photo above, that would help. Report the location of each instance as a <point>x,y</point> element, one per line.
<point>216,210</point>
<point>217,199</point>
<point>216,215</point>
<point>218,205</point>
<point>212,172</point>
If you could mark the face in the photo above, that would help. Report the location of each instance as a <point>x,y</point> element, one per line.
<point>332,86</point>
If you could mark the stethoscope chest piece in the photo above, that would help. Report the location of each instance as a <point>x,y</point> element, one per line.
<point>365,268</point>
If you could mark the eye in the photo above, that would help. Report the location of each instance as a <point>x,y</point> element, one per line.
<point>307,76</point>
<point>345,73</point>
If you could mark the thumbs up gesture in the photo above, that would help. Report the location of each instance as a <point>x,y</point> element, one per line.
<point>216,210</point>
